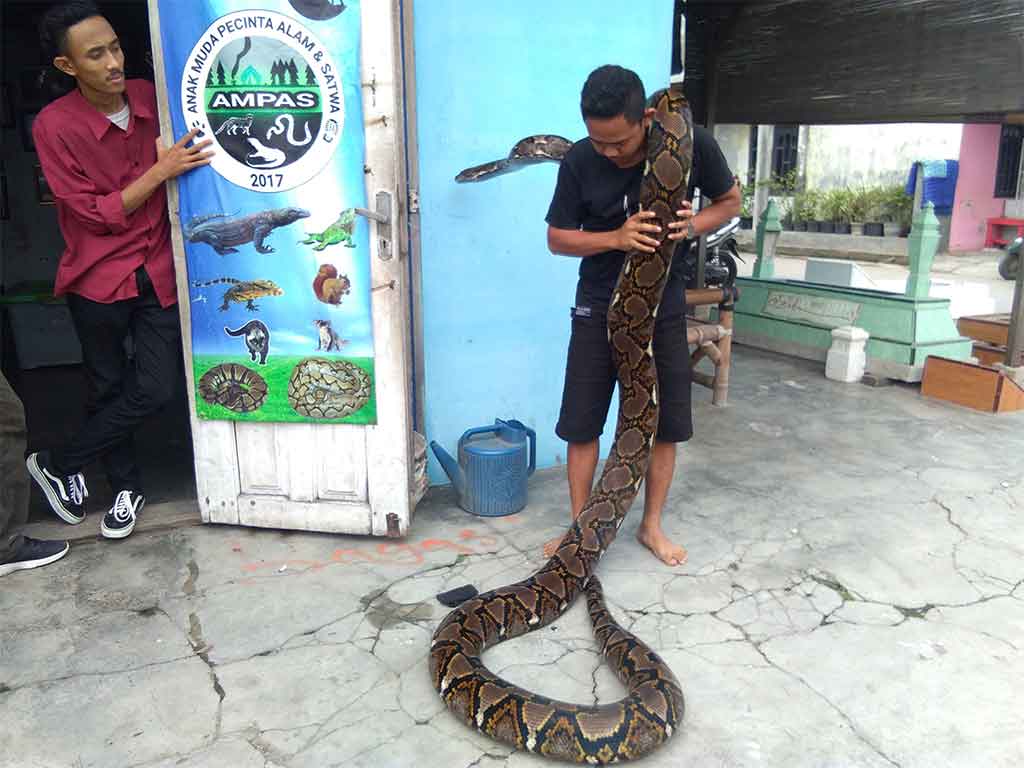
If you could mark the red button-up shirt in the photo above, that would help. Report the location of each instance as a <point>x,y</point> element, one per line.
<point>87,161</point>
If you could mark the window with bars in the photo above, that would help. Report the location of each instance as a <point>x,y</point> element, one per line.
<point>1008,164</point>
<point>785,150</point>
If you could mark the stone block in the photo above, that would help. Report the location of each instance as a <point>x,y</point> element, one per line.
<point>846,357</point>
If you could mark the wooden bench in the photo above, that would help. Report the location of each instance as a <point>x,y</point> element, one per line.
<point>993,237</point>
<point>712,340</point>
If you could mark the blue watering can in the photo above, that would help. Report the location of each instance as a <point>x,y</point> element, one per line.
<point>490,476</point>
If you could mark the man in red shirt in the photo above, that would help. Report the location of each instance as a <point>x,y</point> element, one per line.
<point>101,153</point>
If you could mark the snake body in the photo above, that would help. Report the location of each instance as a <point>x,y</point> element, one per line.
<point>539,148</point>
<point>328,389</point>
<point>648,715</point>
<point>234,386</point>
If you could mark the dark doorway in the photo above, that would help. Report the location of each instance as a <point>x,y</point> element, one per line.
<point>39,350</point>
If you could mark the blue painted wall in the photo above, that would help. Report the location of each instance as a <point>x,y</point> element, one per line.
<point>495,301</point>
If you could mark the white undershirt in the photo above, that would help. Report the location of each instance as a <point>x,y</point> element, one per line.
<point>120,118</point>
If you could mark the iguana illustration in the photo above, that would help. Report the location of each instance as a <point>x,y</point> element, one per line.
<point>222,231</point>
<point>339,232</point>
<point>243,290</point>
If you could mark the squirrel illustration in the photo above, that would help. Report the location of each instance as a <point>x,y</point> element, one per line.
<point>329,286</point>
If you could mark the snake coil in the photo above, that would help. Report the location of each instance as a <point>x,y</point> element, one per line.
<point>635,725</point>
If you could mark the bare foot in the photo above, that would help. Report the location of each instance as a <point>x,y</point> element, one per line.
<point>662,547</point>
<point>552,546</point>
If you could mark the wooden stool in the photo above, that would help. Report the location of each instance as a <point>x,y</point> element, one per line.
<point>712,340</point>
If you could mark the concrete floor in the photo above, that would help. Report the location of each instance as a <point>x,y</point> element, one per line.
<point>854,597</point>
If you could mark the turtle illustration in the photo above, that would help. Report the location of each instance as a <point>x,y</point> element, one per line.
<point>338,232</point>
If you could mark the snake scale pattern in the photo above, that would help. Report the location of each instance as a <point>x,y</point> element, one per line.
<point>234,386</point>
<point>651,711</point>
<point>328,389</point>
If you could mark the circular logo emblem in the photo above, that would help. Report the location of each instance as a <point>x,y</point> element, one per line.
<point>318,9</point>
<point>267,91</point>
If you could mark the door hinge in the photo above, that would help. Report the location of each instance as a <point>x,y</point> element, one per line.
<point>414,200</point>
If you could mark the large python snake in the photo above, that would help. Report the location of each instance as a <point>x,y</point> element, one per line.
<point>633,726</point>
<point>328,389</point>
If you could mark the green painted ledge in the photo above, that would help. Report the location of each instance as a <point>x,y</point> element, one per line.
<point>796,317</point>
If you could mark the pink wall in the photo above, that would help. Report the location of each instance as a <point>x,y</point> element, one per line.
<point>973,202</point>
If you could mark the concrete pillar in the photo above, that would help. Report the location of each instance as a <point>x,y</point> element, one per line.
<point>1015,338</point>
<point>763,172</point>
<point>768,229</point>
<point>921,247</point>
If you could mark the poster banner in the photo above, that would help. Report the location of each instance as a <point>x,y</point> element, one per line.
<point>275,233</point>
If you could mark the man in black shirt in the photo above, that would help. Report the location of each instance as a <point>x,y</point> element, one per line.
<point>595,214</point>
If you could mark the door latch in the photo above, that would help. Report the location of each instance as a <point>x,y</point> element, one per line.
<point>382,215</point>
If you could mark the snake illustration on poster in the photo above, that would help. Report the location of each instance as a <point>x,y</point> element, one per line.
<point>276,250</point>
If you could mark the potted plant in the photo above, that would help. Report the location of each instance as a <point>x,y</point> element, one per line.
<point>807,209</point>
<point>797,213</point>
<point>875,205</point>
<point>897,210</point>
<point>788,219</point>
<point>822,215</point>
<point>842,203</point>
<point>857,209</point>
<point>788,224</point>
<point>802,209</point>
<point>833,211</point>
<point>747,207</point>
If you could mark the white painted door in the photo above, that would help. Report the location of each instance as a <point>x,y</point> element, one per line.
<point>334,478</point>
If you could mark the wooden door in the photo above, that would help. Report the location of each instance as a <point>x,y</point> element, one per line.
<point>333,478</point>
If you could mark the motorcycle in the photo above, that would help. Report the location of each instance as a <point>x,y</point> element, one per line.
<point>720,259</point>
<point>1009,263</point>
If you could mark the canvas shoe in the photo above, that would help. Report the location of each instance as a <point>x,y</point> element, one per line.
<point>34,553</point>
<point>120,518</point>
<point>66,493</point>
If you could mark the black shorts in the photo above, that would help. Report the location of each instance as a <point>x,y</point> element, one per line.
<point>590,380</point>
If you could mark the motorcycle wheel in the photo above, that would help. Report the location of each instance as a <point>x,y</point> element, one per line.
<point>1008,265</point>
<point>728,258</point>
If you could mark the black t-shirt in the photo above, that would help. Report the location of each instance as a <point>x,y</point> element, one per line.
<point>595,195</point>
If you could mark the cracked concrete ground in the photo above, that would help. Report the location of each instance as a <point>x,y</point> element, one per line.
<point>854,596</point>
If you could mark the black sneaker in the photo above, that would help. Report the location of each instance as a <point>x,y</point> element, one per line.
<point>120,518</point>
<point>66,493</point>
<point>33,553</point>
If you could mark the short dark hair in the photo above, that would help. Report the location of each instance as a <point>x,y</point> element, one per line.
<point>611,91</point>
<point>55,23</point>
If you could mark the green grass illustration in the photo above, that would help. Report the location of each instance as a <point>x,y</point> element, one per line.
<point>276,407</point>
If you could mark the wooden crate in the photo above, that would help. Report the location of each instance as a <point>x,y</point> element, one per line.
<point>973,386</point>
<point>988,354</point>
<point>993,329</point>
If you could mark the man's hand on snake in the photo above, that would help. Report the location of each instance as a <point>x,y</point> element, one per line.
<point>632,235</point>
<point>678,227</point>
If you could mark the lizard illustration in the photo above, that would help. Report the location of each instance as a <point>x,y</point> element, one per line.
<point>243,290</point>
<point>264,157</point>
<point>222,232</point>
<point>338,232</point>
